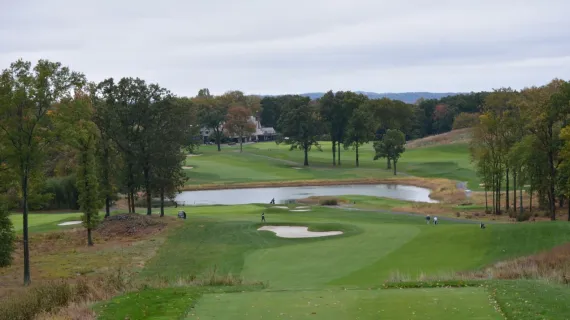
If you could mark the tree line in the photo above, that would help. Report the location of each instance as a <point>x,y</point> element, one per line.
<point>113,137</point>
<point>522,141</point>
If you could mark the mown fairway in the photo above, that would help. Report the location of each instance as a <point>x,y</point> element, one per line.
<point>339,277</point>
<point>271,162</point>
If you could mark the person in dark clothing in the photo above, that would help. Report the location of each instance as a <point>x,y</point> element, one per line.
<point>272,201</point>
<point>263,217</point>
<point>427,219</point>
<point>482,225</point>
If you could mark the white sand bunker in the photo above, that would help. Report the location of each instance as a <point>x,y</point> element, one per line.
<point>296,168</point>
<point>280,207</point>
<point>193,155</point>
<point>187,167</point>
<point>300,210</point>
<point>297,232</point>
<point>303,207</point>
<point>69,223</point>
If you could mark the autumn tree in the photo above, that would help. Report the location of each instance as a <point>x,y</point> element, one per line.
<point>238,123</point>
<point>391,146</point>
<point>300,125</point>
<point>26,96</point>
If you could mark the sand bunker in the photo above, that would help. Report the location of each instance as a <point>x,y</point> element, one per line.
<point>296,168</point>
<point>303,207</point>
<point>193,155</point>
<point>297,232</point>
<point>69,223</point>
<point>187,167</point>
<point>300,210</point>
<point>280,207</point>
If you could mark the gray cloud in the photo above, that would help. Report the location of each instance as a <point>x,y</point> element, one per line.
<point>279,46</point>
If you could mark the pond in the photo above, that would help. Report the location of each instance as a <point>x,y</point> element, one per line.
<point>288,194</point>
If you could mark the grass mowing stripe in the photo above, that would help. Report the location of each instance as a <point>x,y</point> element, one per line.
<point>444,304</point>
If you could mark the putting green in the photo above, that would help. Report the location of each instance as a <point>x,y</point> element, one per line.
<point>424,304</point>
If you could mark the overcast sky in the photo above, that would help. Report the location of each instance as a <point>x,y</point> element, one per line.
<point>295,46</point>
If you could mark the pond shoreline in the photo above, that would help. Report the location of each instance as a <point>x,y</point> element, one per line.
<point>441,189</point>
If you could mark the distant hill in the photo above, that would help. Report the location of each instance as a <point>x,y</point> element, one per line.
<point>408,97</point>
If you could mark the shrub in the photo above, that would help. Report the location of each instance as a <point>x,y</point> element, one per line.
<point>7,237</point>
<point>328,202</point>
<point>458,214</point>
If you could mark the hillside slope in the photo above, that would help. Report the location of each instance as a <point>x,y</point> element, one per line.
<point>452,137</point>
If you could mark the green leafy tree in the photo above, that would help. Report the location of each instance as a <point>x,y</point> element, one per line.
<point>26,96</point>
<point>107,154</point>
<point>391,146</point>
<point>543,116</point>
<point>300,125</point>
<point>361,128</point>
<point>74,124</point>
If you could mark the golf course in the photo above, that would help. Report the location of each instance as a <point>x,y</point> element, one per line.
<point>362,259</point>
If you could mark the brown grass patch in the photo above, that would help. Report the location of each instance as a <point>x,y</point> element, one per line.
<point>454,136</point>
<point>65,255</point>
<point>552,265</point>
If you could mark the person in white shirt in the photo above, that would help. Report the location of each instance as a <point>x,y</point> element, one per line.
<point>434,220</point>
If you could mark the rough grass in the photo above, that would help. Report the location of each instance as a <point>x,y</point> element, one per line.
<point>64,256</point>
<point>551,265</point>
<point>454,136</point>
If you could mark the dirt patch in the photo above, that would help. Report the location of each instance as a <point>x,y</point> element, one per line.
<point>130,225</point>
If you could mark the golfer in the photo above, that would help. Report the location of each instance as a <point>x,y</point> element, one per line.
<point>427,219</point>
<point>434,220</point>
<point>263,217</point>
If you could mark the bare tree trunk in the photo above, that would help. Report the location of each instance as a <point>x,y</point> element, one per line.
<point>338,153</point>
<point>146,173</point>
<point>395,166</point>
<point>530,200</point>
<point>27,276</point>
<point>240,144</point>
<point>520,201</point>
<point>389,165</point>
<point>162,202</point>
<point>486,201</point>
<point>357,163</point>
<point>507,204</point>
<point>493,194</point>
<point>515,191</point>
<point>133,201</point>
<point>107,206</point>
<point>334,152</point>
<point>306,149</point>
